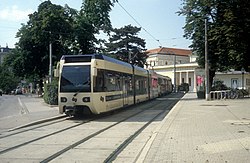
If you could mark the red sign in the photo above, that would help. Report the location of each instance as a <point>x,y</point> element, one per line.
<point>199,80</point>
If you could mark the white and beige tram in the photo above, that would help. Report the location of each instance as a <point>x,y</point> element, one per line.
<point>97,83</point>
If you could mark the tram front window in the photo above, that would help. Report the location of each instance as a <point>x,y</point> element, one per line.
<point>75,79</point>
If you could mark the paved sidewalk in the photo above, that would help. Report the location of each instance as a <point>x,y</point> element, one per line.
<point>203,131</point>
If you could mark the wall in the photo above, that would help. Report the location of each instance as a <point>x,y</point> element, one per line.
<point>162,60</point>
<point>228,80</point>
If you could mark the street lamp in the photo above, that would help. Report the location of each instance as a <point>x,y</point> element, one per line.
<point>242,72</point>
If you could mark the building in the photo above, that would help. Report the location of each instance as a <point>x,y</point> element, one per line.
<point>234,79</point>
<point>3,52</point>
<point>181,66</point>
<point>178,64</point>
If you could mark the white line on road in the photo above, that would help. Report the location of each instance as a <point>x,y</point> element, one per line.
<point>24,109</point>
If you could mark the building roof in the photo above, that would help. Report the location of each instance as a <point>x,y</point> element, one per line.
<point>168,51</point>
<point>5,49</point>
<point>231,73</point>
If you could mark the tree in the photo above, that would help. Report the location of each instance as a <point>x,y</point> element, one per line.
<point>93,18</point>
<point>84,35</point>
<point>50,24</point>
<point>8,81</point>
<point>228,24</point>
<point>232,32</point>
<point>68,30</point>
<point>97,13</point>
<point>125,45</point>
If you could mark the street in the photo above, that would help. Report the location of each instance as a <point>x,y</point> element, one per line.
<point>194,130</point>
<point>104,138</point>
<point>9,106</point>
<point>16,110</point>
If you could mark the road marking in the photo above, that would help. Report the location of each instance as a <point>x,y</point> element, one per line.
<point>24,109</point>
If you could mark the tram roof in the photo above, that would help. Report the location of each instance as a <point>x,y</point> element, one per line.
<point>88,57</point>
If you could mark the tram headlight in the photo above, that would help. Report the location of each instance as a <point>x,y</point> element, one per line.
<point>63,99</point>
<point>86,99</point>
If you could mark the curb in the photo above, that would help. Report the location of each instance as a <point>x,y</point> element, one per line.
<point>141,158</point>
<point>38,122</point>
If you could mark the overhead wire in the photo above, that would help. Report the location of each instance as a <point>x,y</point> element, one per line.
<point>157,40</point>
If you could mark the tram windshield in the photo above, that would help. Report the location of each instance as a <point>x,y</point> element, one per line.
<point>75,79</point>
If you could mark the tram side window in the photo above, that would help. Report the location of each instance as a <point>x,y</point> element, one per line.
<point>154,83</point>
<point>160,81</point>
<point>113,81</point>
<point>107,81</point>
<point>141,85</point>
<point>130,85</point>
<point>99,84</point>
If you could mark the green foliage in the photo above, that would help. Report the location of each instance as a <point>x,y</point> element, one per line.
<point>124,42</point>
<point>8,81</point>
<point>97,13</point>
<point>93,18</point>
<point>228,32</point>
<point>51,93</point>
<point>50,24</point>
<point>218,86</point>
<point>68,30</point>
<point>84,35</point>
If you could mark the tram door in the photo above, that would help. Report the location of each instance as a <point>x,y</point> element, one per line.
<point>125,88</point>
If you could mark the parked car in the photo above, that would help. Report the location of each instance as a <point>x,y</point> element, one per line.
<point>1,92</point>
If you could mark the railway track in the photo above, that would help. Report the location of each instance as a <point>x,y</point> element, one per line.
<point>63,138</point>
<point>43,136</point>
<point>30,127</point>
<point>126,142</point>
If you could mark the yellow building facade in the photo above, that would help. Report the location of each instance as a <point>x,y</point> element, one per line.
<point>178,64</point>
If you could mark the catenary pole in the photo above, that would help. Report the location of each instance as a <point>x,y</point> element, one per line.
<point>50,62</point>
<point>175,90</point>
<point>206,64</point>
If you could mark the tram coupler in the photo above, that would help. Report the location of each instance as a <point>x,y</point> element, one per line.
<point>70,111</point>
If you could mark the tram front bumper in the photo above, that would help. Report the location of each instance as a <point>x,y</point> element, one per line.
<point>70,110</point>
<point>76,110</point>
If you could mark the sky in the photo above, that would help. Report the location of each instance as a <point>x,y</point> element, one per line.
<point>161,25</point>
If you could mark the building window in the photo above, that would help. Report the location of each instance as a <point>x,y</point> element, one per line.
<point>182,80</point>
<point>189,81</point>
<point>234,83</point>
<point>248,82</point>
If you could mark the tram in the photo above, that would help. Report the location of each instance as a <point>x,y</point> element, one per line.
<point>94,84</point>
